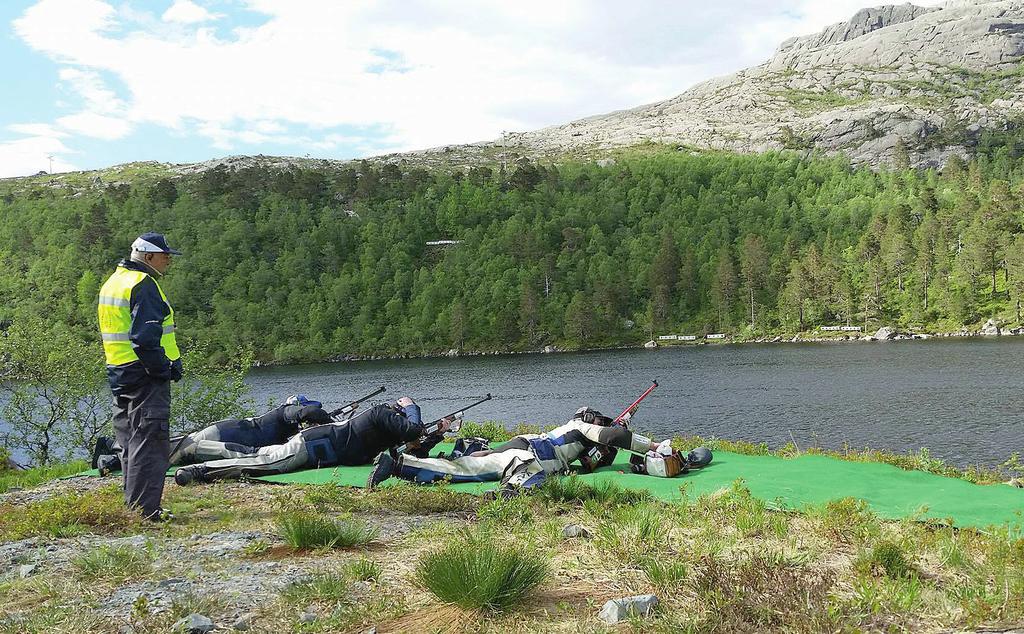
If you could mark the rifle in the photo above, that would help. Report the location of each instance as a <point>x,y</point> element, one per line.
<point>351,407</point>
<point>601,455</point>
<point>629,411</point>
<point>433,427</point>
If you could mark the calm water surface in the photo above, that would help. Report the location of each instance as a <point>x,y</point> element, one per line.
<point>963,400</point>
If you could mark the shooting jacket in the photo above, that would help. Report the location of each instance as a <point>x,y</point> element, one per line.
<point>358,441</point>
<point>560,447</point>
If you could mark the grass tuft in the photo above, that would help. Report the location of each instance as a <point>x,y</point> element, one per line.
<point>194,603</point>
<point>476,573</point>
<point>632,533</point>
<point>403,497</point>
<point>845,520</point>
<point>304,530</point>
<point>365,570</point>
<point>890,558</point>
<point>496,432</point>
<point>764,593</point>
<point>666,574</point>
<point>327,587</point>
<point>513,511</point>
<point>573,489</point>
<point>11,479</point>
<point>115,563</point>
<point>738,506</point>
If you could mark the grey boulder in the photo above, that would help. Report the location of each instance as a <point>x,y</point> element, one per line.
<point>194,624</point>
<point>617,610</point>
<point>991,328</point>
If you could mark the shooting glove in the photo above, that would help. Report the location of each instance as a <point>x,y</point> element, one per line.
<point>176,370</point>
<point>312,415</point>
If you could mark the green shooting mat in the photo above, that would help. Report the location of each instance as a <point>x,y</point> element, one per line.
<point>790,483</point>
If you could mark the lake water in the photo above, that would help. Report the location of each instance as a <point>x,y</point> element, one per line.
<point>962,399</point>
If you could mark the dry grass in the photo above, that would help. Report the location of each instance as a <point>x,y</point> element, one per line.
<point>719,563</point>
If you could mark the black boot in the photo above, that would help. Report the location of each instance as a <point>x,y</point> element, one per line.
<point>190,475</point>
<point>383,468</point>
<point>103,447</point>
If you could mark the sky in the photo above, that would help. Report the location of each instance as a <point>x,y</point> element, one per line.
<point>91,83</point>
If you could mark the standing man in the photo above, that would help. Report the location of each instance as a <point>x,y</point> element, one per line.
<point>137,324</point>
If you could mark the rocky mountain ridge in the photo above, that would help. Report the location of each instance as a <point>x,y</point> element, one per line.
<point>893,83</point>
<point>927,80</point>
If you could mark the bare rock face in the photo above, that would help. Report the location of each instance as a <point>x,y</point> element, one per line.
<point>991,328</point>
<point>862,23</point>
<point>893,84</point>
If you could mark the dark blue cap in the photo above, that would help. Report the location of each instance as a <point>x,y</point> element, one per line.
<point>153,243</point>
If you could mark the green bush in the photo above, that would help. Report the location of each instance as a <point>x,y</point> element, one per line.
<point>305,530</point>
<point>212,388</point>
<point>54,399</point>
<point>476,573</point>
<point>69,514</point>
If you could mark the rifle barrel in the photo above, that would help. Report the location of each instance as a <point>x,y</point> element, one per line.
<point>433,426</point>
<point>344,408</point>
<point>636,402</point>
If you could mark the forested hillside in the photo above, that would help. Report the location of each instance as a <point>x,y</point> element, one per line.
<point>308,264</point>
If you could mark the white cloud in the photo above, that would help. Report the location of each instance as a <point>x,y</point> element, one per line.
<point>96,126</point>
<point>186,12</point>
<point>29,155</point>
<point>395,74</point>
<point>94,93</point>
<point>36,129</point>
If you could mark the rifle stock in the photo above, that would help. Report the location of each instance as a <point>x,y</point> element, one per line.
<point>434,426</point>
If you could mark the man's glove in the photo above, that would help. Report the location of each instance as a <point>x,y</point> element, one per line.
<point>176,370</point>
<point>313,415</point>
<point>665,448</point>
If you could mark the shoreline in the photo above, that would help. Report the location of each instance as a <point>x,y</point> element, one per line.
<point>964,333</point>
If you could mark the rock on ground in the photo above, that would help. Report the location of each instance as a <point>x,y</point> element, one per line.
<point>194,624</point>
<point>617,610</point>
<point>991,328</point>
<point>575,530</point>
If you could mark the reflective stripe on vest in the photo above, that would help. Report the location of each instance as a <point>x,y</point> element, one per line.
<point>116,318</point>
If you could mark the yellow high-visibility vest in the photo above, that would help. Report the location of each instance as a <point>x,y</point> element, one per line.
<point>116,318</point>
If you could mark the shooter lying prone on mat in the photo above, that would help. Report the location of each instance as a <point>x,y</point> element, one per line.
<point>528,459</point>
<point>350,443</point>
